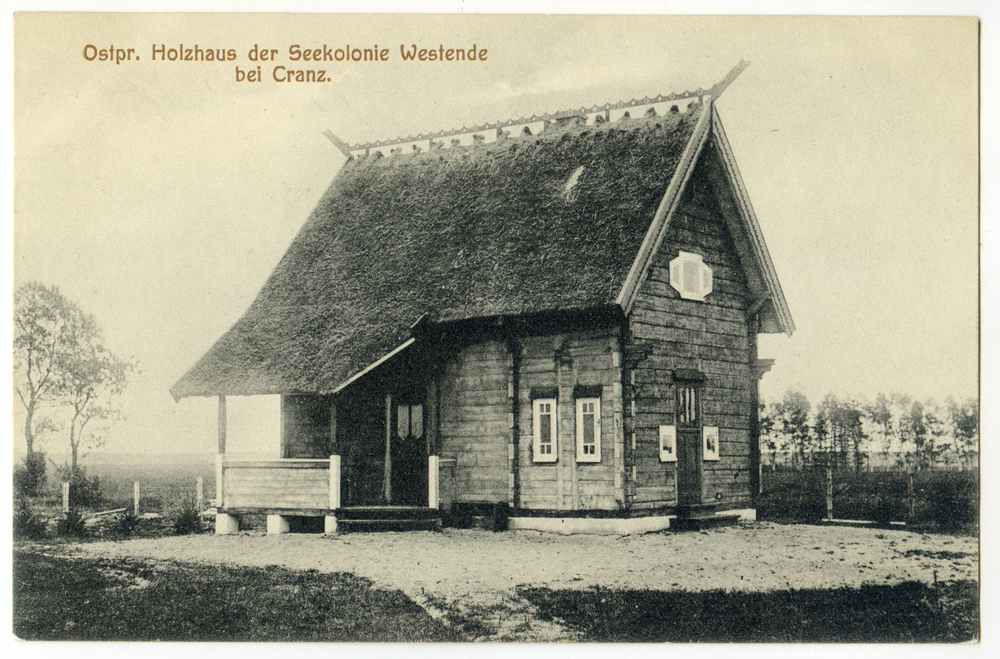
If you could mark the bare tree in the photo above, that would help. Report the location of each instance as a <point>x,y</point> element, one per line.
<point>901,406</point>
<point>917,423</point>
<point>937,442</point>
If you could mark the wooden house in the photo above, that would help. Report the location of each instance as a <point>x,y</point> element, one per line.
<point>558,324</point>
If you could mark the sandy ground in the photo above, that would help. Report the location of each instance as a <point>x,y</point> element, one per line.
<point>476,572</point>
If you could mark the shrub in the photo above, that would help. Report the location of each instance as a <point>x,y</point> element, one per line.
<point>954,500</point>
<point>947,500</point>
<point>27,525</point>
<point>793,496</point>
<point>71,525</point>
<point>83,492</point>
<point>29,477</point>
<point>125,524</point>
<point>884,510</point>
<point>187,521</point>
<point>870,496</point>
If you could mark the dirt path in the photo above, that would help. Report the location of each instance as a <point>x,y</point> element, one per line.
<point>476,573</point>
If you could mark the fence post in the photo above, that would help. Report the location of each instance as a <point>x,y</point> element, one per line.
<point>829,493</point>
<point>135,496</point>
<point>65,497</point>
<point>199,495</point>
<point>909,492</point>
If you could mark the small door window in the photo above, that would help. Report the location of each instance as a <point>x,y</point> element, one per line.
<point>410,421</point>
<point>688,398</point>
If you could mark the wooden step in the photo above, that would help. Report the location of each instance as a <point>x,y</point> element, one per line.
<point>387,513</point>
<point>376,525</point>
<point>702,522</point>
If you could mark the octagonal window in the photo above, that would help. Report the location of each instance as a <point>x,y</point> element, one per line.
<point>690,277</point>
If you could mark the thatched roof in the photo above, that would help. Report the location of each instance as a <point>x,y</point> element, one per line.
<point>526,224</point>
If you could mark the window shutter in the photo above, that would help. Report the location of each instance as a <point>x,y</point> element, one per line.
<point>668,444</point>
<point>710,443</point>
<point>588,429</point>
<point>545,430</point>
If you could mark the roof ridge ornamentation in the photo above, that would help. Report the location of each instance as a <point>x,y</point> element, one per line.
<point>547,120</point>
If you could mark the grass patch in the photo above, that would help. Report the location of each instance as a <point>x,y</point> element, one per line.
<point>937,555</point>
<point>905,613</point>
<point>58,598</point>
<point>478,622</point>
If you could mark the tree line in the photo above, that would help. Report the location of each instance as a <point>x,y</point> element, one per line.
<point>65,378</point>
<point>894,432</point>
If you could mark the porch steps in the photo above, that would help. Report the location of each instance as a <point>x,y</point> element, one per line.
<point>699,518</point>
<point>368,519</point>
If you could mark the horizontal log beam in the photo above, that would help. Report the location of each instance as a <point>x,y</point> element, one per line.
<point>290,463</point>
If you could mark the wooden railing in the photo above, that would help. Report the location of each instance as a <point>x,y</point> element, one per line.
<point>277,485</point>
<point>287,488</point>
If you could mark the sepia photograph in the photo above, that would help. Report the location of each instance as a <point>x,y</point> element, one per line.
<point>507,328</point>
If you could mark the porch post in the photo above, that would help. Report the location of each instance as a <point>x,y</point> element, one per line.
<point>221,452</point>
<point>330,523</point>
<point>224,524</point>
<point>387,475</point>
<point>433,449</point>
<point>433,490</point>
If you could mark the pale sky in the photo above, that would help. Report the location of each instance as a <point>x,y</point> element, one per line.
<point>160,195</point>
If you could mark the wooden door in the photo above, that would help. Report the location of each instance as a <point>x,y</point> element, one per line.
<point>408,442</point>
<point>688,444</point>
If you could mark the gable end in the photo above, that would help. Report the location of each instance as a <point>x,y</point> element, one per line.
<point>767,299</point>
<point>658,227</point>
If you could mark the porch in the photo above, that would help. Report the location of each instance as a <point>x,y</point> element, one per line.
<point>288,487</point>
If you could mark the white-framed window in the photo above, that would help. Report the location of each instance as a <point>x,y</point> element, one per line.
<point>588,429</point>
<point>544,427</point>
<point>668,443</point>
<point>690,277</point>
<point>710,443</point>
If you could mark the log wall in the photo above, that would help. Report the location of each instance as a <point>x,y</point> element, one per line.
<point>481,462</point>
<point>473,425</point>
<point>562,362</point>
